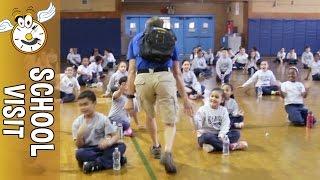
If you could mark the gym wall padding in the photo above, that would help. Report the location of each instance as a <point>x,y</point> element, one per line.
<point>254,33</point>
<point>269,35</point>
<point>86,34</point>
<point>276,36</point>
<point>287,36</point>
<point>265,37</point>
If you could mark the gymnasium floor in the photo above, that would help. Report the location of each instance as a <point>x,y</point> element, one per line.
<point>276,149</point>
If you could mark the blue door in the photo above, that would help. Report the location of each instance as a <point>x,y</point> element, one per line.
<point>205,27</point>
<point>190,27</point>
<point>142,22</point>
<point>132,26</point>
<point>177,28</point>
<point>299,36</point>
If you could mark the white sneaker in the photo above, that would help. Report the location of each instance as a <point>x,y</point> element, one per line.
<point>207,148</point>
<point>239,125</point>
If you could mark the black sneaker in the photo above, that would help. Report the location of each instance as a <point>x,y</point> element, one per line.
<point>167,161</point>
<point>92,166</point>
<point>156,152</point>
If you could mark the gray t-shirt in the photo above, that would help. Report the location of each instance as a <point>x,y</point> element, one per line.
<point>117,112</point>
<point>209,120</point>
<point>98,128</point>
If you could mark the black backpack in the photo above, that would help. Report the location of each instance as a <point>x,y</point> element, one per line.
<point>157,44</point>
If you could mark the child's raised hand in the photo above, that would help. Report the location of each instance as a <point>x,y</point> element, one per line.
<point>307,85</point>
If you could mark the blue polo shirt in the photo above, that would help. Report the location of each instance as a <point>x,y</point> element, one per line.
<point>134,53</point>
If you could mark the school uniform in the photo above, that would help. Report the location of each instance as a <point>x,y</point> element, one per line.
<point>92,58</point>
<point>240,60</point>
<point>98,129</point>
<point>252,66</point>
<point>85,75</point>
<point>97,71</point>
<point>190,81</point>
<point>233,109</point>
<point>114,80</point>
<point>306,59</point>
<point>74,59</point>
<point>200,66</point>
<point>213,124</point>
<point>108,61</point>
<point>315,70</point>
<point>67,87</point>
<point>117,112</point>
<point>224,67</point>
<point>263,79</point>
<point>280,56</point>
<point>292,58</point>
<point>293,102</point>
<point>209,58</point>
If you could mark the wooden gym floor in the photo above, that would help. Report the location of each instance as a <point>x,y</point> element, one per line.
<point>276,150</point>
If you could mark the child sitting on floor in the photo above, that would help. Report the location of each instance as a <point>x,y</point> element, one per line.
<point>293,93</point>
<point>235,115</point>
<point>213,124</point>
<point>95,137</point>
<point>265,80</point>
<point>193,88</point>
<point>69,86</point>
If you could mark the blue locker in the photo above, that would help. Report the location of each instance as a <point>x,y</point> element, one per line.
<point>177,28</point>
<point>254,36</point>
<point>299,36</point>
<point>276,36</point>
<point>189,44</point>
<point>142,23</point>
<point>190,27</point>
<point>132,26</point>
<point>206,43</point>
<point>265,37</point>
<point>205,26</point>
<point>288,34</point>
<point>311,34</point>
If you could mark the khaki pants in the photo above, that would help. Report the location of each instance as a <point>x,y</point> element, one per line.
<point>159,89</point>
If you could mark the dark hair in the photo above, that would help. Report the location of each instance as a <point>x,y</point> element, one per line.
<point>307,47</point>
<point>89,95</point>
<point>185,60</point>
<point>123,79</point>
<point>98,58</point>
<point>108,50</point>
<point>231,87</point>
<point>154,21</point>
<point>254,48</point>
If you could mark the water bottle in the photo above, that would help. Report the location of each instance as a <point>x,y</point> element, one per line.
<point>259,92</point>
<point>116,155</point>
<point>120,131</point>
<point>310,120</point>
<point>225,145</point>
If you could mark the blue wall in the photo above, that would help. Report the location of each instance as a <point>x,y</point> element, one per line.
<point>86,34</point>
<point>269,35</point>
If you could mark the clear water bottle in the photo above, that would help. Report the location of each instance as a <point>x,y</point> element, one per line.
<point>116,155</point>
<point>120,131</point>
<point>225,145</point>
<point>259,92</point>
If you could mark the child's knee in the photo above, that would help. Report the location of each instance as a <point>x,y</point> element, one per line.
<point>80,153</point>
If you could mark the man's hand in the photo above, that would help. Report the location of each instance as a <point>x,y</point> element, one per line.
<point>188,108</point>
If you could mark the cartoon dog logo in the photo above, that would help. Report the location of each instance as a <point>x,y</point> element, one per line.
<point>29,35</point>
